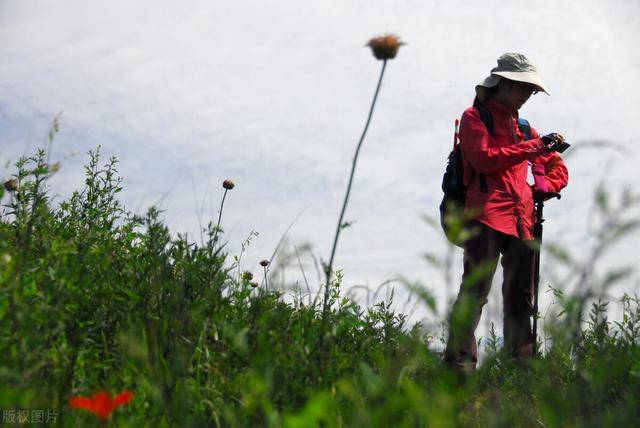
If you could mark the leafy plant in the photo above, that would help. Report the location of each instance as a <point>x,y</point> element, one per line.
<point>95,298</point>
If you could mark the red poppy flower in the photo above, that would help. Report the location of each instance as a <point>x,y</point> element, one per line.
<point>101,404</point>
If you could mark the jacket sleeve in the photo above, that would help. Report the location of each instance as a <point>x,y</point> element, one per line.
<point>478,151</point>
<point>555,170</point>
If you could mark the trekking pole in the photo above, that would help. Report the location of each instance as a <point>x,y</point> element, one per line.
<point>539,198</point>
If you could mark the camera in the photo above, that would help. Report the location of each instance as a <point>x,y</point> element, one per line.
<point>555,142</point>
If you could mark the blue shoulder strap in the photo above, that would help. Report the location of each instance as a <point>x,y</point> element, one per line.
<point>525,128</point>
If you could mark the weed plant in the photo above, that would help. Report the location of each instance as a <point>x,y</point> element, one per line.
<point>93,297</point>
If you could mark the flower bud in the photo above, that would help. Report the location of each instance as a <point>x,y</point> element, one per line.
<point>228,184</point>
<point>264,263</point>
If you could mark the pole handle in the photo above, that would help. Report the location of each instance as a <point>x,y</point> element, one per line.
<point>545,196</point>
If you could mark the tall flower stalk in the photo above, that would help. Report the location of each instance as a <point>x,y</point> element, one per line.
<point>264,264</point>
<point>226,185</point>
<point>383,48</point>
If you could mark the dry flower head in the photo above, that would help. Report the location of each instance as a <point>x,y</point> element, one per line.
<point>264,263</point>
<point>228,184</point>
<point>386,46</point>
<point>11,185</point>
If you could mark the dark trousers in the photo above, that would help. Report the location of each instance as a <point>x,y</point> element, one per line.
<point>481,253</point>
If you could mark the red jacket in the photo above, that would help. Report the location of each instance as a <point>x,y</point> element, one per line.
<point>503,157</point>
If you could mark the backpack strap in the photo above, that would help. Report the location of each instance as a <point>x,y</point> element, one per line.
<point>483,183</point>
<point>487,119</point>
<point>525,128</point>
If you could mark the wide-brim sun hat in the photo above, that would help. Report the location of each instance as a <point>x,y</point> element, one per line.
<point>512,66</point>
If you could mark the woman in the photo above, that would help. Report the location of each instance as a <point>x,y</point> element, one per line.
<point>500,203</point>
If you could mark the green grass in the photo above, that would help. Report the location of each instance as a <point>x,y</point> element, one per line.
<point>93,297</point>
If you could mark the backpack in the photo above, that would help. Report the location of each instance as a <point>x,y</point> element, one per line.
<point>452,215</point>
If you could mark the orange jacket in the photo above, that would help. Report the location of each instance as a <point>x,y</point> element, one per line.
<point>503,157</point>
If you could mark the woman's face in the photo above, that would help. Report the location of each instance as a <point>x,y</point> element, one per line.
<point>514,94</point>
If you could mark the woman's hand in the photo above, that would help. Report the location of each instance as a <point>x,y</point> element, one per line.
<point>554,142</point>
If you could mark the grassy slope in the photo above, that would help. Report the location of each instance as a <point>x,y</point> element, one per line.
<point>94,298</point>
